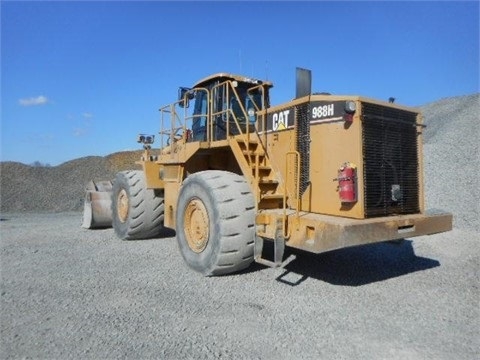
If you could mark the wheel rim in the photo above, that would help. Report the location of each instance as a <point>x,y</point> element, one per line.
<point>122,205</point>
<point>196,225</point>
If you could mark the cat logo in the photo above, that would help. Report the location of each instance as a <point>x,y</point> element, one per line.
<point>280,120</point>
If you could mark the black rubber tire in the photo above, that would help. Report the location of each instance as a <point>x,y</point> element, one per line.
<point>230,206</point>
<point>144,218</point>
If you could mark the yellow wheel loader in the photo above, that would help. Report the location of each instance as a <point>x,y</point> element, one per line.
<point>318,173</point>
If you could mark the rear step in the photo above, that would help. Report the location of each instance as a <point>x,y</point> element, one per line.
<point>278,251</point>
<point>272,196</point>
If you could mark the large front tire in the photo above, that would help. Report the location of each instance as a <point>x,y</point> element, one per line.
<point>215,222</point>
<point>137,212</point>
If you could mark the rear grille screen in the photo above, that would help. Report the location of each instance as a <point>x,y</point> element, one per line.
<point>390,161</point>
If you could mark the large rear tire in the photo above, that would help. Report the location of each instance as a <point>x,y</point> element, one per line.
<point>215,222</point>
<point>137,212</point>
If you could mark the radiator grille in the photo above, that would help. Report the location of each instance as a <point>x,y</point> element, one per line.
<point>390,161</point>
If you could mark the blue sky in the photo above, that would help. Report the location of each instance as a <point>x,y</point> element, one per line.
<point>84,78</point>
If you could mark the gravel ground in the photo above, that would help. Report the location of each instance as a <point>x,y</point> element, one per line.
<point>70,293</point>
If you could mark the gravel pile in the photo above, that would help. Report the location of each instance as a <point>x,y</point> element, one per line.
<point>59,188</point>
<point>451,156</point>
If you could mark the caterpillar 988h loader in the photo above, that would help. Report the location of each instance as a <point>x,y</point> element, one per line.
<point>318,173</point>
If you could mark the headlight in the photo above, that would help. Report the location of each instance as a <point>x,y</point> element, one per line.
<point>350,106</point>
<point>146,139</point>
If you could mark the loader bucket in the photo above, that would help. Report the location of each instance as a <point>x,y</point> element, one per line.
<point>97,212</point>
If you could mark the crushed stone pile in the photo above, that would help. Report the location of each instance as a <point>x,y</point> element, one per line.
<point>59,188</point>
<point>451,154</point>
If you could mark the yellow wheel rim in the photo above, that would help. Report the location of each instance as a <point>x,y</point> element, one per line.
<point>122,205</point>
<point>196,225</point>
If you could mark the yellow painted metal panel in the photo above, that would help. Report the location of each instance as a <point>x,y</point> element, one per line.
<point>332,144</point>
<point>319,233</point>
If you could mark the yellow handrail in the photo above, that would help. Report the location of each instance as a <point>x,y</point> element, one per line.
<point>286,232</point>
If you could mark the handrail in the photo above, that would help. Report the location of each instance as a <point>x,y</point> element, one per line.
<point>262,121</point>
<point>258,108</point>
<point>286,232</point>
<point>228,88</point>
<point>174,119</point>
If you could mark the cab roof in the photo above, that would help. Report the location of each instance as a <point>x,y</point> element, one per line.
<point>233,77</point>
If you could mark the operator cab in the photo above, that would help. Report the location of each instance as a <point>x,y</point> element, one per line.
<point>229,102</point>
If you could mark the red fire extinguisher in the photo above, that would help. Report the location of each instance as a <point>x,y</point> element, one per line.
<point>347,176</point>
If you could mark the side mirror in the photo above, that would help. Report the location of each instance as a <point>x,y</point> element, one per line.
<point>184,96</point>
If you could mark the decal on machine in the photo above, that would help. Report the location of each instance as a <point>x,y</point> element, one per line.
<point>281,120</point>
<point>324,111</point>
<point>319,112</point>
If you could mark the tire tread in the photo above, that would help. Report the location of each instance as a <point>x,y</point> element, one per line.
<point>236,209</point>
<point>145,215</point>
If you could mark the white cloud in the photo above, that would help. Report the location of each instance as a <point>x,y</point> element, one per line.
<point>79,132</point>
<point>34,101</point>
<point>83,123</point>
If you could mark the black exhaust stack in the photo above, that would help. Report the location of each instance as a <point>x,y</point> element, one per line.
<point>304,82</point>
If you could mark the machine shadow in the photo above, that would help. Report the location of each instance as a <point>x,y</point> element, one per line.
<point>164,234</point>
<point>355,266</point>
